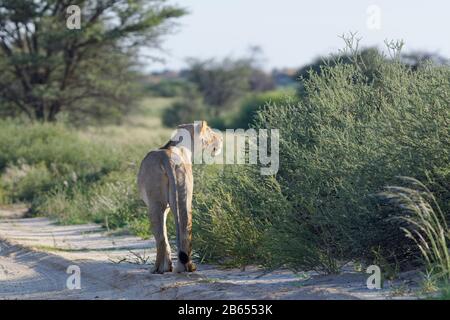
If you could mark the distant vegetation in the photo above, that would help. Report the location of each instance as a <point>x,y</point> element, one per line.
<point>170,88</point>
<point>215,89</point>
<point>245,113</point>
<point>228,93</point>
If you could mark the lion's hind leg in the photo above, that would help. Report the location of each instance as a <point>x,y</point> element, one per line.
<point>158,216</point>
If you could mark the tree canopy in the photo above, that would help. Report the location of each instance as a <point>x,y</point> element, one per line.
<point>47,68</point>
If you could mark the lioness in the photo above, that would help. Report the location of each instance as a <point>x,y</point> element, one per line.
<point>165,181</point>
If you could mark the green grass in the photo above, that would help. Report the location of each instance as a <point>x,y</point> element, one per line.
<point>79,176</point>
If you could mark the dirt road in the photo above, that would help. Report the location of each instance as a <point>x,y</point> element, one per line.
<point>35,254</point>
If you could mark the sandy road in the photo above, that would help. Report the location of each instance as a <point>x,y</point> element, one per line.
<point>35,254</point>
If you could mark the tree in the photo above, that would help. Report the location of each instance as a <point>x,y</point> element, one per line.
<point>220,83</point>
<point>419,58</point>
<point>185,110</point>
<point>47,68</point>
<point>260,81</point>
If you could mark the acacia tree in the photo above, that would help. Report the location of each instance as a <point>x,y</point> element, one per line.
<point>46,68</point>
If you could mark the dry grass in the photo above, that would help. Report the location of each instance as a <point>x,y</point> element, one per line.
<point>426,224</point>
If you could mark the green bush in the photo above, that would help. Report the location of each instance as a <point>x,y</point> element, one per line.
<point>425,224</point>
<point>234,209</point>
<point>112,201</point>
<point>186,110</point>
<point>23,182</point>
<point>171,88</point>
<point>116,204</point>
<point>59,148</point>
<point>69,178</point>
<point>68,205</point>
<point>245,114</point>
<point>51,167</point>
<point>350,137</point>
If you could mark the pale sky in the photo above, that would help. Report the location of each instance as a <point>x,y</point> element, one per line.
<point>294,32</point>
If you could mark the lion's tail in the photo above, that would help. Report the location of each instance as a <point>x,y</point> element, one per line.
<point>173,196</point>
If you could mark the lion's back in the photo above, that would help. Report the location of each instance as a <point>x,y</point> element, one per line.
<point>152,179</point>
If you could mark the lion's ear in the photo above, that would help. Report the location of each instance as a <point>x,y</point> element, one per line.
<point>203,127</point>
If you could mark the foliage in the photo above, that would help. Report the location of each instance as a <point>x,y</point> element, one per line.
<point>112,201</point>
<point>48,68</point>
<point>234,208</point>
<point>248,108</point>
<point>369,58</point>
<point>356,128</point>
<point>59,148</point>
<point>171,88</point>
<point>260,81</point>
<point>214,90</point>
<point>115,202</point>
<point>223,83</point>
<point>354,132</point>
<point>426,224</point>
<point>36,159</point>
<point>220,83</point>
<point>22,182</point>
<point>187,109</point>
<point>81,176</point>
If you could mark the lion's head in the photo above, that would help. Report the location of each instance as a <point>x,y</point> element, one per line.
<point>197,134</point>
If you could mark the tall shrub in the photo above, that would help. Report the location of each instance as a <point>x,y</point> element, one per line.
<point>349,137</point>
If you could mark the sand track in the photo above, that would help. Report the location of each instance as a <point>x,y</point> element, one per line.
<point>35,254</point>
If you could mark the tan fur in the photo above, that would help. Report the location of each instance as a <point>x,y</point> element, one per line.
<point>165,180</point>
